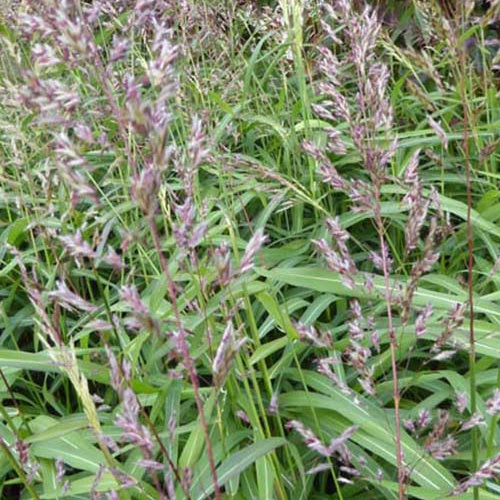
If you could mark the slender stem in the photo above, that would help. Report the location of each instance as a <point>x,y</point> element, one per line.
<point>393,348</point>
<point>470,267</point>
<point>186,355</point>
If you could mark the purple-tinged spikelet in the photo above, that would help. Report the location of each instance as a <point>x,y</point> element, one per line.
<point>489,470</point>
<point>253,246</point>
<point>493,403</point>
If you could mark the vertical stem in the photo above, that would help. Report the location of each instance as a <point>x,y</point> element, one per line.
<point>470,267</point>
<point>393,347</point>
<point>462,54</point>
<point>186,355</point>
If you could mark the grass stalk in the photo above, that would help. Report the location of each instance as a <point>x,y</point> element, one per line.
<point>467,122</point>
<point>393,348</point>
<point>186,355</point>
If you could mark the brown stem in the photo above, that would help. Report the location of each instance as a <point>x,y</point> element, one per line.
<point>186,355</point>
<point>470,262</point>
<point>393,347</point>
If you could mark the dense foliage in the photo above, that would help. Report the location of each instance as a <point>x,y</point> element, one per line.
<point>249,250</point>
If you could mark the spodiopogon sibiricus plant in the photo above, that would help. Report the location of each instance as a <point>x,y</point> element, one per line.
<point>248,250</point>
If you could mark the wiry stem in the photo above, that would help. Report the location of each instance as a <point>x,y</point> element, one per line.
<point>393,347</point>
<point>470,267</point>
<point>186,355</point>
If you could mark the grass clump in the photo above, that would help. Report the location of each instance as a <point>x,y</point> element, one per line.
<point>249,250</point>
